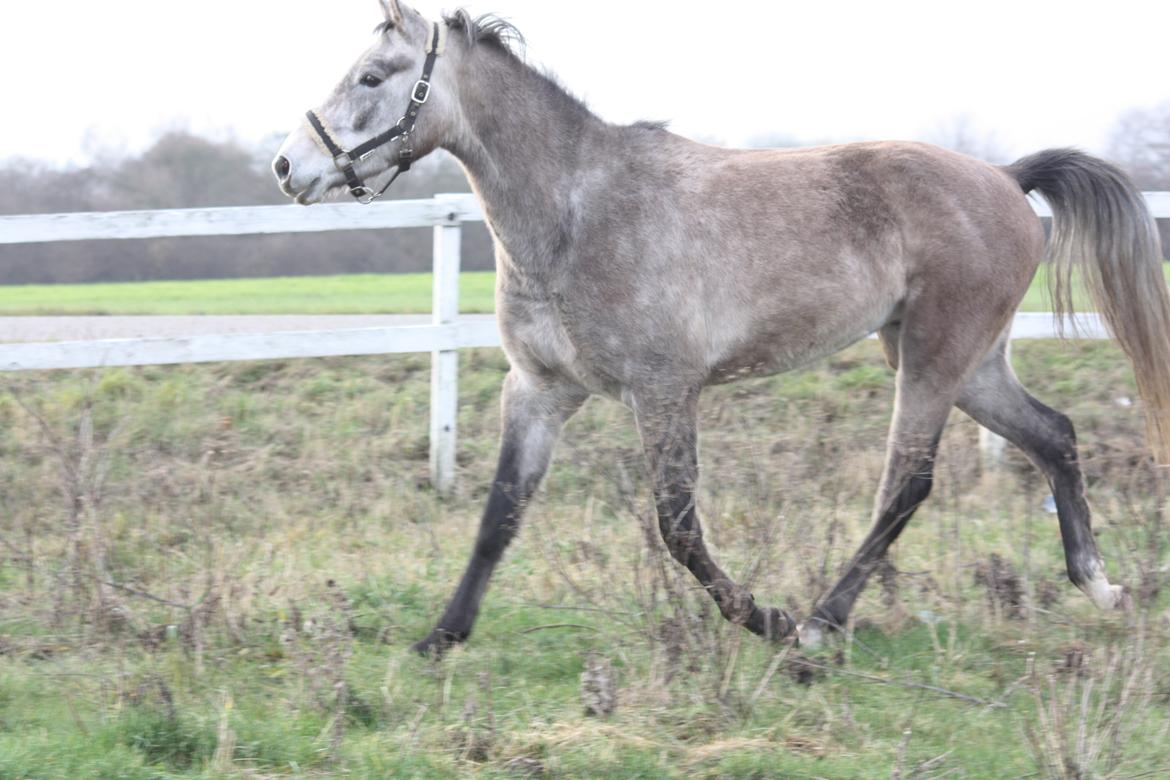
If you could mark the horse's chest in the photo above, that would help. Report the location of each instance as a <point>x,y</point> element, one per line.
<point>535,336</point>
<point>540,337</point>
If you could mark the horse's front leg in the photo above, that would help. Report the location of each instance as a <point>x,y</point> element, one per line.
<point>670,438</point>
<point>534,411</point>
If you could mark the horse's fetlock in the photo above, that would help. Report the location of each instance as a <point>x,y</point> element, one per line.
<point>735,602</point>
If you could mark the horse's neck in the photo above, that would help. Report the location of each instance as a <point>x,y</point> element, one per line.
<point>521,142</point>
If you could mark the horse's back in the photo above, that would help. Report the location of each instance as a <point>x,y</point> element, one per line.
<point>841,240</point>
<point>723,263</point>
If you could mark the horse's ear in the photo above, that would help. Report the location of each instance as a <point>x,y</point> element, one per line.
<point>393,12</point>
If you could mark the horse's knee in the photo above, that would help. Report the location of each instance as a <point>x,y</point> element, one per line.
<point>913,493</point>
<point>1062,439</point>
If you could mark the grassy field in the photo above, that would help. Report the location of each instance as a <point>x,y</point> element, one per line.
<point>215,572</point>
<point>360,294</point>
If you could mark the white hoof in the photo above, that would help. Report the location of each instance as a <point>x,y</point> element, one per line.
<point>1102,593</point>
<point>811,636</point>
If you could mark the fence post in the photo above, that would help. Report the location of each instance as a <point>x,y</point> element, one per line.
<point>992,449</point>
<point>445,364</point>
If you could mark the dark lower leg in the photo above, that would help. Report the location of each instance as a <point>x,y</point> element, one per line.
<point>498,527</point>
<point>533,413</point>
<point>997,401</point>
<point>909,481</point>
<point>683,535</point>
<point>672,448</point>
<point>1051,443</point>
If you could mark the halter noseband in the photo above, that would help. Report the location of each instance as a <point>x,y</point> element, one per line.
<point>344,160</point>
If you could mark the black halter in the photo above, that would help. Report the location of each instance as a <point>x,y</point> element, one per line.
<point>345,160</point>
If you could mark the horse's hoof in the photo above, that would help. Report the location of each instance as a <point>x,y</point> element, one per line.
<point>1105,595</point>
<point>437,643</point>
<point>811,635</point>
<point>425,647</point>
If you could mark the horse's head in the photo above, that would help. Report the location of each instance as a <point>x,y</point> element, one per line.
<point>388,111</point>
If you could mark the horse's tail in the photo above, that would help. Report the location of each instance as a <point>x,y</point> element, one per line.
<point>1104,233</point>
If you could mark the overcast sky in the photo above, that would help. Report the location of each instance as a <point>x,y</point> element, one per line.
<point>84,76</point>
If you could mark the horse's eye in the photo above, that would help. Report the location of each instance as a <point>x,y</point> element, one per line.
<point>370,80</point>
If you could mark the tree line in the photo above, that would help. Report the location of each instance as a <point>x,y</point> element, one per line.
<point>181,170</point>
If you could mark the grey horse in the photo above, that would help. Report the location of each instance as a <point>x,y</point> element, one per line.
<point>642,266</point>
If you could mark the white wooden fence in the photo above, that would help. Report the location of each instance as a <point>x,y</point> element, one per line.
<point>444,338</point>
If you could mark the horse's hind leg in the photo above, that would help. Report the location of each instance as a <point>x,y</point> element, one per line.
<point>997,400</point>
<point>534,410</point>
<point>934,354</point>
<point>669,435</point>
<point>919,417</point>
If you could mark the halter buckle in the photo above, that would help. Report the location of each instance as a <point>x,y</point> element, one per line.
<point>364,195</point>
<point>421,92</point>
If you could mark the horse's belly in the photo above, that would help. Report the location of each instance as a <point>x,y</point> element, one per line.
<point>798,337</point>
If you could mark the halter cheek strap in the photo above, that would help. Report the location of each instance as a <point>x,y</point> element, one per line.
<point>345,159</point>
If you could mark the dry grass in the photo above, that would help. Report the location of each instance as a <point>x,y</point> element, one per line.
<point>255,546</point>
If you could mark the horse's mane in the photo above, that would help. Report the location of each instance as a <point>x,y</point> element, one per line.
<point>499,33</point>
<point>489,29</point>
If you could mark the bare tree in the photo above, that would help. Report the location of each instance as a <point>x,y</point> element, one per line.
<point>181,170</point>
<point>1141,143</point>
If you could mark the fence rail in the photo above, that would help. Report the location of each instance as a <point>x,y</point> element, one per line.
<point>444,338</point>
<point>247,346</point>
<point>246,221</point>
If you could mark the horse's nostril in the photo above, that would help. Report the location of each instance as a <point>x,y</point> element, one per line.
<point>282,167</point>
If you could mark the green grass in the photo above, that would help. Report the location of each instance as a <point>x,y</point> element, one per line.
<point>247,489</point>
<point>1038,298</point>
<point>359,294</point>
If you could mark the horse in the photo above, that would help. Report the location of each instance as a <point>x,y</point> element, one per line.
<point>641,266</point>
